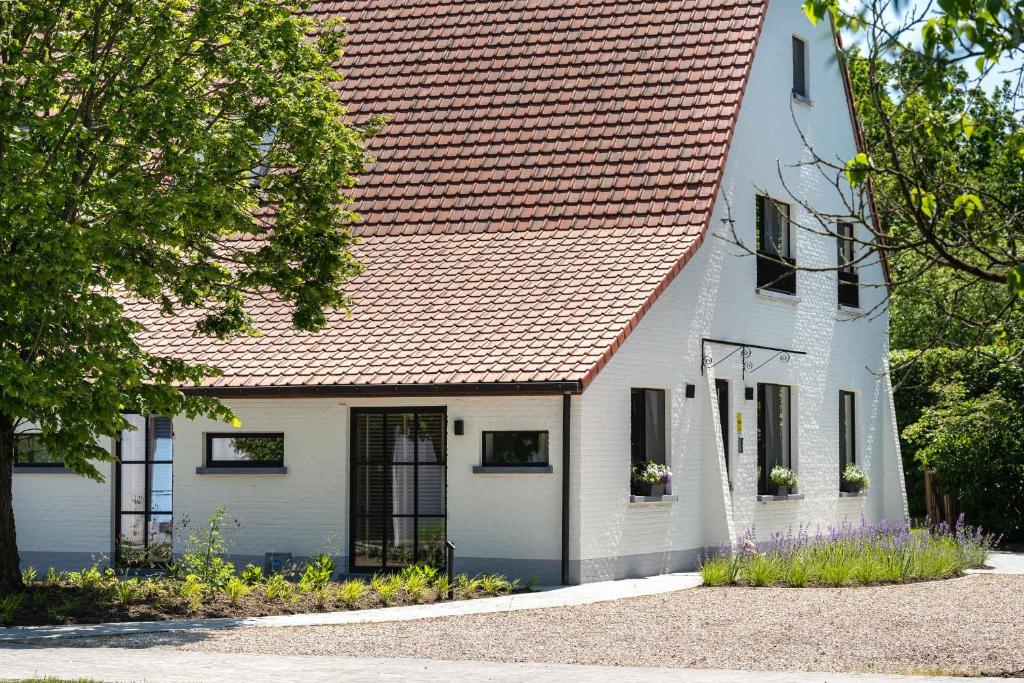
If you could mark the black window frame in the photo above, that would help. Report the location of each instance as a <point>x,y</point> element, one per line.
<point>786,458</point>
<point>638,437</point>
<point>801,89</point>
<point>18,437</point>
<point>211,463</point>
<point>484,462</point>
<point>776,269</point>
<point>848,292</point>
<point>844,457</point>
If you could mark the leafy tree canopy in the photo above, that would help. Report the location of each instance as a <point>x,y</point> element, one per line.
<point>191,154</point>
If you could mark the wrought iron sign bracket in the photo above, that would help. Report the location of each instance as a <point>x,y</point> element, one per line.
<point>745,351</point>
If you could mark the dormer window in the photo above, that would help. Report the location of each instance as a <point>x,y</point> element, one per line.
<point>775,262</point>
<point>801,91</point>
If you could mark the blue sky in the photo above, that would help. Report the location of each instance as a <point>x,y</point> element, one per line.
<point>993,79</point>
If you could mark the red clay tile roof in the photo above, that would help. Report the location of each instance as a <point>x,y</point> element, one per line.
<point>550,167</point>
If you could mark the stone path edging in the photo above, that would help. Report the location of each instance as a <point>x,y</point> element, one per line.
<point>562,596</point>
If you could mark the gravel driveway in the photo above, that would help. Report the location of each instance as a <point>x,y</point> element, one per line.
<point>969,625</point>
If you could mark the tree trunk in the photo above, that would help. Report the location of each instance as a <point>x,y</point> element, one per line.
<point>10,566</point>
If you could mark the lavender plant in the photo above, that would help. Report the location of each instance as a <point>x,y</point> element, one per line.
<point>848,554</point>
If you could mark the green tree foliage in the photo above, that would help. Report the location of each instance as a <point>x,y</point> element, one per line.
<point>184,154</point>
<point>944,158</point>
<point>935,304</point>
<point>959,414</point>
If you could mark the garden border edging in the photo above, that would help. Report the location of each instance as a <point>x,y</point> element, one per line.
<point>561,596</point>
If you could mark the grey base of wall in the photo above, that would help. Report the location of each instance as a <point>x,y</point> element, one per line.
<point>65,562</point>
<point>633,566</point>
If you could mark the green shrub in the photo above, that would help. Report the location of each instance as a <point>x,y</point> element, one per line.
<point>442,585</point>
<point>204,555</point>
<point>350,591</point>
<point>495,584</point>
<point>762,570</point>
<point>467,584</point>
<point>427,572</point>
<point>128,592</point>
<point>317,574</point>
<point>278,588</point>
<point>236,589</point>
<point>9,606</point>
<point>797,572</point>
<point>253,575</point>
<point>416,587</point>
<point>87,579</point>
<point>958,413</point>
<point>386,586</point>
<point>54,577</point>
<point>29,575</point>
<point>718,571</point>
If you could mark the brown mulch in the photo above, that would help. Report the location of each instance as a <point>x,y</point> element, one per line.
<point>966,626</point>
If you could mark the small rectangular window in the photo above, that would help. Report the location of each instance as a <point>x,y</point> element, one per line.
<point>847,430</point>
<point>849,291</point>
<point>515,449</point>
<point>800,90</point>
<point>774,431</point>
<point>245,450</point>
<point>647,426</point>
<point>775,263</point>
<point>30,451</point>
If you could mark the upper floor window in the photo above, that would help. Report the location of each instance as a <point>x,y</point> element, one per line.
<point>800,76</point>
<point>515,449</point>
<point>245,450</point>
<point>775,261</point>
<point>849,294</point>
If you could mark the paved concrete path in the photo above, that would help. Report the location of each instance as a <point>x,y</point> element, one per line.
<point>553,597</point>
<point>1002,563</point>
<point>131,666</point>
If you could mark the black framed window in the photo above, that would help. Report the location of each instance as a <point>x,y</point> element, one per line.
<point>30,451</point>
<point>722,394</point>
<point>515,449</point>
<point>847,430</point>
<point>252,449</point>
<point>849,292</point>
<point>774,431</point>
<point>800,89</point>
<point>647,426</point>
<point>775,263</point>
<point>144,523</point>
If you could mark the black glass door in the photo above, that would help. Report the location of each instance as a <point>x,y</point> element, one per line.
<point>398,488</point>
<point>722,391</point>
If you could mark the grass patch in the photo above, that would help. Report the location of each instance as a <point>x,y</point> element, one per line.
<point>849,555</point>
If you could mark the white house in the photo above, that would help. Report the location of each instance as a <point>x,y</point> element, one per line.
<point>549,294</point>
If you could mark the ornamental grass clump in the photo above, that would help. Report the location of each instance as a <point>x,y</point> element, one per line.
<point>849,555</point>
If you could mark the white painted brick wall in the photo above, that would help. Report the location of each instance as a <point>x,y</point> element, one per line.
<point>63,512</point>
<point>714,296</point>
<point>500,516</point>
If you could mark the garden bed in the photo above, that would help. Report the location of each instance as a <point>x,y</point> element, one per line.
<point>849,555</point>
<point>96,596</point>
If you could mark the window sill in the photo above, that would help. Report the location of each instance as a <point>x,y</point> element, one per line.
<point>853,494</point>
<point>779,499</point>
<point>773,295</point>
<point>653,500</point>
<point>241,470</point>
<point>41,469</point>
<point>849,311</point>
<point>801,99</point>
<point>485,469</point>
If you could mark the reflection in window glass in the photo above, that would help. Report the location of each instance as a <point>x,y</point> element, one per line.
<point>515,449</point>
<point>264,450</point>
<point>29,449</point>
